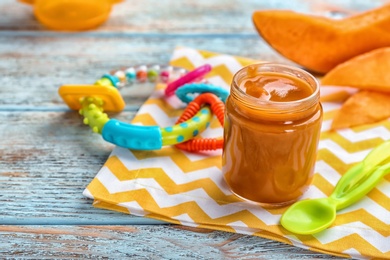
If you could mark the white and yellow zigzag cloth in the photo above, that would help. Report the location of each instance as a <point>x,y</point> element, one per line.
<point>188,189</point>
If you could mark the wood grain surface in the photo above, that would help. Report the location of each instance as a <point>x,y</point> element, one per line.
<point>47,156</point>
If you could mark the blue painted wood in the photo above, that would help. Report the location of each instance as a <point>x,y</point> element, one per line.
<point>129,35</point>
<point>90,58</point>
<point>59,108</point>
<point>108,219</point>
<point>139,242</point>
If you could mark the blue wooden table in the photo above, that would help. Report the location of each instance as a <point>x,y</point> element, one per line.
<point>47,156</point>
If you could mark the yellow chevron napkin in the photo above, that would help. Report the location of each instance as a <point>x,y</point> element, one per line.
<point>188,189</point>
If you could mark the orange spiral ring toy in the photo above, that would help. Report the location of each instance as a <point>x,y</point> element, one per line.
<point>203,144</point>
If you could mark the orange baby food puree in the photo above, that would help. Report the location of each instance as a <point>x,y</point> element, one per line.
<point>272,127</point>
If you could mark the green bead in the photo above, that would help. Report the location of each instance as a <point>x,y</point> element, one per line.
<point>152,75</point>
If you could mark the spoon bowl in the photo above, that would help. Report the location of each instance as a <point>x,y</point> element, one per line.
<point>309,216</point>
<point>312,216</point>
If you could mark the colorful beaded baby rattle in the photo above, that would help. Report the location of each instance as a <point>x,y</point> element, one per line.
<point>92,100</point>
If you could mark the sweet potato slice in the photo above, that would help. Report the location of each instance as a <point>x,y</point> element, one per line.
<point>364,107</point>
<point>370,71</point>
<point>320,43</point>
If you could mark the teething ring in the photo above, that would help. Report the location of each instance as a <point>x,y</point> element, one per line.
<point>92,100</point>
<point>183,92</point>
<point>218,108</point>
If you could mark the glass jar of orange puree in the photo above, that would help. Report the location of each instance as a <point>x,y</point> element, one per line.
<point>272,126</point>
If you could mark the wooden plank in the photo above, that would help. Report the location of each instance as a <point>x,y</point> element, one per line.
<point>33,68</point>
<point>47,159</point>
<point>192,16</point>
<point>140,242</point>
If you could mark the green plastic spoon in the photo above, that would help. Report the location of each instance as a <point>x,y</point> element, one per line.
<point>312,216</point>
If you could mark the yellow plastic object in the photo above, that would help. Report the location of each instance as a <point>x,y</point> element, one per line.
<point>93,114</point>
<point>110,96</point>
<point>71,15</point>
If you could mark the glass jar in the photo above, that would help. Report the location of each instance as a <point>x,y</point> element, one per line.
<point>272,126</point>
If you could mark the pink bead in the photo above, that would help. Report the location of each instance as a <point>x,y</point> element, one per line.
<point>164,75</point>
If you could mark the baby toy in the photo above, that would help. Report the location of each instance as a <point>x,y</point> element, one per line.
<point>93,100</point>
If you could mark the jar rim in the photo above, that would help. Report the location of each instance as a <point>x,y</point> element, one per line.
<point>256,103</point>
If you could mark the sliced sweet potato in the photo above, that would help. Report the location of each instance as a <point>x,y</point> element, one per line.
<point>320,43</point>
<point>370,71</point>
<point>364,107</point>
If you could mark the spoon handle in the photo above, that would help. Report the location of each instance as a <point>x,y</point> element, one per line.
<point>357,183</point>
<point>361,178</point>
